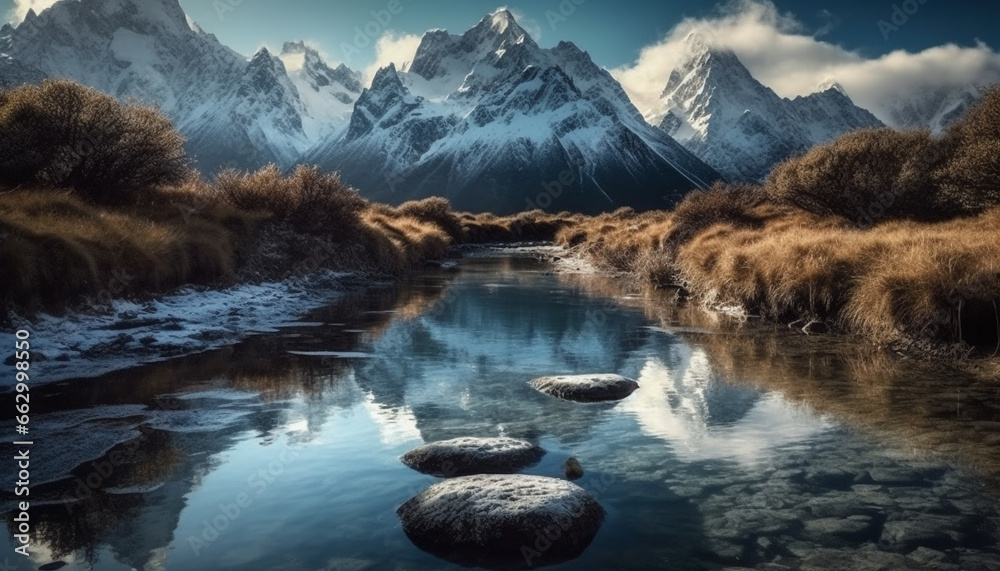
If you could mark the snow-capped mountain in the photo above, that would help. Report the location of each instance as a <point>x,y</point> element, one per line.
<point>235,111</point>
<point>721,113</point>
<point>494,122</point>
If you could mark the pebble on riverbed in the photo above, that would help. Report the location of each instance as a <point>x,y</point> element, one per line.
<point>586,388</point>
<point>502,520</point>
<point>466,456</point>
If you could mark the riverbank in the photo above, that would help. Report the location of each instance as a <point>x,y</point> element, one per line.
<point>892,236</point>
<point>124,333</point>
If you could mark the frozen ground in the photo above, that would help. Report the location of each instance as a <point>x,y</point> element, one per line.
<point>189,321</point>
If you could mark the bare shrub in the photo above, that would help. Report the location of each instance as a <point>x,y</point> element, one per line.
<point>864,176</point>
<point>63,134</point>
<point>308,200</point>
<point>970,178</point>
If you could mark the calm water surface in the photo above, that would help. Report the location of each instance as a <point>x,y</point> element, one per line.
<point>744,446</point>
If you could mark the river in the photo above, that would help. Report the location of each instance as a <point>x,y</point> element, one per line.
<point>746,445</point>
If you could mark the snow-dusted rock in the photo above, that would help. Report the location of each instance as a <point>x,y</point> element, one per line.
<point>465,456</point>
<point>502,520</point>
<point>586,388</point>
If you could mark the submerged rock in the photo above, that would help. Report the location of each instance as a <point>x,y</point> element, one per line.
<point>466,456</point>
<point>573,469</point>
<point>502,520</point>
<point>586,388</point>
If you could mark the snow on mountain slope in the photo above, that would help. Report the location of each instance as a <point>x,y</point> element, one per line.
<point>717,110</point>
<point>494,122</point>
<point>234,111</point>
<point>328,95</point>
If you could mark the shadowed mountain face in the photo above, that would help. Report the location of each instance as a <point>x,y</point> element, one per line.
<point>493,122</point>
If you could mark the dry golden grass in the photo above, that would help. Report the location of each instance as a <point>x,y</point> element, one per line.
<point>308,200</point>
<point>933,281</point>
<point>437,211</point>
<point>401,242</point>
<point>56,248</point>
<point>530,226</point>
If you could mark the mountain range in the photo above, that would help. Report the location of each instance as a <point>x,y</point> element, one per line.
<point>487,118</point>
<point>492,121</point>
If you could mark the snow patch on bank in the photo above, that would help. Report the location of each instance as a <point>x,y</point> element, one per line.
<point>191,320</point>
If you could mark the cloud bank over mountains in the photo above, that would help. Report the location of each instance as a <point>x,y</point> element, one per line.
<point>781,53</point>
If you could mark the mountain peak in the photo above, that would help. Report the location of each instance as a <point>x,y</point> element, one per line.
<point>831,85</point>
<point>298,47</point>
<point>387,77</point>
<point>502,19</point>
<point>502,25</point>
<point>716,108</point>
<point>698,43</point>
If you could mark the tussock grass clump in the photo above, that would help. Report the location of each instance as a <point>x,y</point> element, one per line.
<point>397,243</point>
<point>61,134</point>
<point>731,204</point>
<point>529,226</point>
<point>437,211</point>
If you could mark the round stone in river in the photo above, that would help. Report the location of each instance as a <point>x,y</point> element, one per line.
<point>586,388</point>
<point>466,456</point>
<point>502,521</point>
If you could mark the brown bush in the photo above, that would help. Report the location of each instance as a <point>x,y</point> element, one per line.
<point>308,201</point>
<point>63,134</point>
<point>864,176</point>
<point>970,177</point>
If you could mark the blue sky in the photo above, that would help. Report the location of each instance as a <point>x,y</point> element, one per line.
<point>613,32</point>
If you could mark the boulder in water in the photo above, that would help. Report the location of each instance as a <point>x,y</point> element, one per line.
<point>586,388</point>
<point>503,521</point>
<point>466,456</point>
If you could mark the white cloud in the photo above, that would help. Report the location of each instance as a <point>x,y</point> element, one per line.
<point>783,55</point>
<point>16,14</point>
<point>395,48</point>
